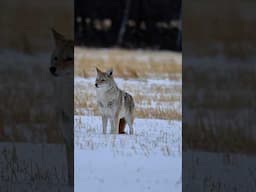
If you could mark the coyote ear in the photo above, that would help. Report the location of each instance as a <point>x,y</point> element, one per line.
<point>58,38</point>
<point>110,72</point>
<point>98,71</point>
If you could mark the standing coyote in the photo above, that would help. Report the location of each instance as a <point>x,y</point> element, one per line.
<point>114,104</point>
<point>62,68</point>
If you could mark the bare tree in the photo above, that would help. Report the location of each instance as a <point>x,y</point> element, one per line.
<point>124,22</point>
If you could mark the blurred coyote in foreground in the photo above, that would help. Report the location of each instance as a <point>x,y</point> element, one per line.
<point>62,69</point>
<point>114,104</point>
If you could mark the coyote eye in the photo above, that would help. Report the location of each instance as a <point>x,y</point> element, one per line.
<point>55,58</point>
<point>102,80</point>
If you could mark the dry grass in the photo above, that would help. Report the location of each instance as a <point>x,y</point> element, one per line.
<point>158,113</point>
<point>128,64</point>
<point>29,169</point>
<point>89,137</point>
<point>27,100</point>
<point>219,96</point>
<point>28,112</point>
<point>150,112</point>
<point>220,108</point>
<point>152,100</point>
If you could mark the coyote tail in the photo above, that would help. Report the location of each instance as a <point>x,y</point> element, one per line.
<point>122,123</point>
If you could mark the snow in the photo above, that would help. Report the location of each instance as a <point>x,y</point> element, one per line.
<point>150,160</point>
<point>121,82</point>
<point>152,89</point>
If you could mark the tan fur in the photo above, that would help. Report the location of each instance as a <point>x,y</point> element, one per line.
<point>114,104</point>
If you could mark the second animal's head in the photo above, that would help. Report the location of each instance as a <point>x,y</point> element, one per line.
<point>62,58</point>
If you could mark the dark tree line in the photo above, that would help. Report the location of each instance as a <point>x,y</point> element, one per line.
<point>128,23</point>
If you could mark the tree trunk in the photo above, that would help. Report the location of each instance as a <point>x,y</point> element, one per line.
<point>124,22</point>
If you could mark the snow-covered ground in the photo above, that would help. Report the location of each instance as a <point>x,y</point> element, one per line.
<point>155,95</point>
<point>150,160</point>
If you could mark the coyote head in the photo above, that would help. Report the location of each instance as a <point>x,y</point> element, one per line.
<point>62,59</point>
<point>104,79</point>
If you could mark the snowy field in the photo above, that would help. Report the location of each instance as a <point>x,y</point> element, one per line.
<point>151,159</point>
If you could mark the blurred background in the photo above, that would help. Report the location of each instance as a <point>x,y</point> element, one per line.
<point>25,25</point>
<point>219,76</point>
<point>28,120</point>
<point>27,111</point>
<point>128,23</point>
<point>218,119</point>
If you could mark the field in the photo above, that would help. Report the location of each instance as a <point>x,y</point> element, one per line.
<point>150,160</point>
<point>219,76</point>
<point>27,88</point>
<point>27,110</point>
<point>208,171</point>
<point>219,96</point>
<point>27,167</point>
<point>30,142</point>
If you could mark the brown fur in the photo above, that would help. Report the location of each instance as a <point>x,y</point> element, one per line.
<point>113,103</point>
<point>122,124</point>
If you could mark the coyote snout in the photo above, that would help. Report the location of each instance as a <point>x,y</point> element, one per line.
<point>114,104</point>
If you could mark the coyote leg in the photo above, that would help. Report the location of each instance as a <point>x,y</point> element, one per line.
<point>104,124</point>
<point>129,121</point>
<point>115,125</point>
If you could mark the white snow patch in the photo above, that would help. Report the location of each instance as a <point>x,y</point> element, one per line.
<point>150,160</point>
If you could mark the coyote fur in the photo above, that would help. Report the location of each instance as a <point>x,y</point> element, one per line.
<point>114,104</point>
<point>62,67</point>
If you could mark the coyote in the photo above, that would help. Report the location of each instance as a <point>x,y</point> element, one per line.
<point>62,60</point>
<point>62,67</point>
<point>114,104</point>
